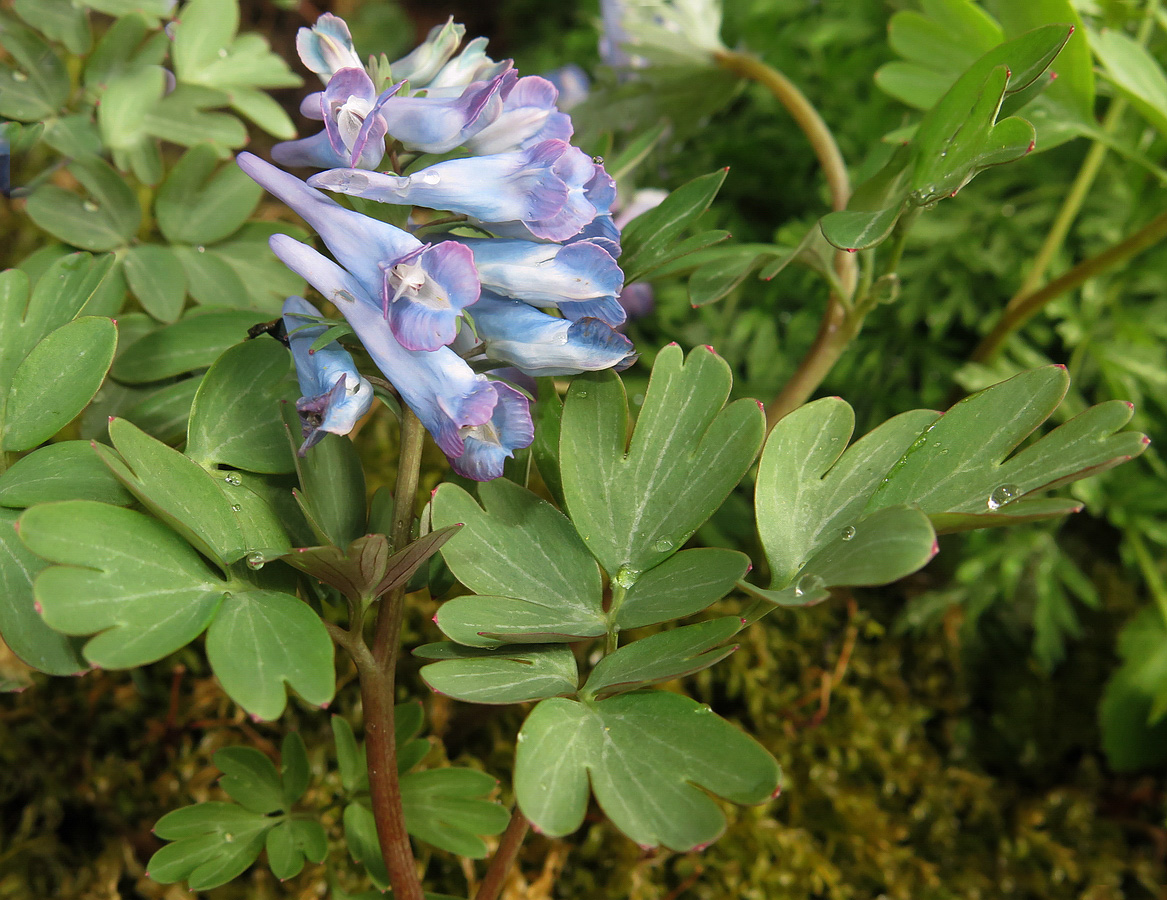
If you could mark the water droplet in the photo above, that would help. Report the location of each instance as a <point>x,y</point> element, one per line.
<point>582,394</point>
<point>664,545</point>
<point>255,560</point>
<point>431,178</point>
<point>236,508</point>
<point>232,478</point>
<point>229,838</point>
<point>848,533</point>
<point>598,160</point>
<point>19,76</point>
<point>90,206</point>
<point>626,577</point>
<point>809,584</point>
<point>1002,494</point>
<point>222,53</point>
<point>201,249</point>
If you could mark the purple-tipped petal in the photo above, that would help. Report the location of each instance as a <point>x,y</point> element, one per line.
<point>358,242</point>
<point>311,106</point>
<point>580,279</point>
<point>348,101</point>
<point>538,344</point>
<point>438,125</point>
<point>327,46</point>
<point>425,293</point>
<point>471,65</point>
<point>488,446</point>
<point>438,385</point>
<point>528,117</point>
<point>315,151</point>
<point>335,396</point>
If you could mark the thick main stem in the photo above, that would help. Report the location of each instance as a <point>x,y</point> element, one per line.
<point>378,673</point>
<point>504,857</point>
<point>836,331</point>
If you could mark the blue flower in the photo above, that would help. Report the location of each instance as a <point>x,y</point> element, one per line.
<point>334,395</point>
<point>538,344</point>
<point>529,116</point>
<point>489,445</point>
<point>537,192</point>
<point>439,386</point>
<point>472,64</point>
<point>354,130</point>
<point>439,124</point>
<point>573,85</point>
<point>428,58</point>
<point>425,292</point>
<point>327,47</point>
<point>579,279</point>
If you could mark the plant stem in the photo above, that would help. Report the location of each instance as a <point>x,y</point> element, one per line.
<point>836,331</point>
<point>377,672</point>
<point>504,857</point>
<point>1028,306</point>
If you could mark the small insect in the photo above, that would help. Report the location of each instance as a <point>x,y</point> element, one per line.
<point>275,328</point>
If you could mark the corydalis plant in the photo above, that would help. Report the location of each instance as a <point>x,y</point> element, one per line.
<point>432,314</point>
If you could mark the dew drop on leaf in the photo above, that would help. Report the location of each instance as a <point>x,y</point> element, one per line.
<point>90,206</point>
<point>235,507</point>
<point>848,533</point>
<point>19,76</point>
<point>1002,494</point>
<point>808,584</point>
<point>664,545</point>
<point>232,478</point>
<point>255,560</point>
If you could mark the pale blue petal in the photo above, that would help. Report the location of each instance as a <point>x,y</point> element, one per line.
<point>488,446</point>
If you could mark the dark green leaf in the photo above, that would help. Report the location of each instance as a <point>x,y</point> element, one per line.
<point>635,509</point>
<point>1135,72</point>
<point>648,239</point>
<point>350,758</point>
<point>69,470</point>
<point>647,755</point>
<point>236,419</point>
<point>663,657</point>
<point>1134,731</point>
<point>23,630</point>
<point>122,574</point>
<point>682,585</point>
<point>197,205</point>
<point>213,843</point>
<point>333,484</point>
<point>58,20</point>
<point>194,342</point>
<point>156,277</point>
<point>444,807</point>
<point>505,675</point>
<point>56,381</point>
<point>39,85</point>
<point>523,549</point>
<point>295,770</point>
<point>850,229</point>
<point>261,639</point>
<point>250,778</point>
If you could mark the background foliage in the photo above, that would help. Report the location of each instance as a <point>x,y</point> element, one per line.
<point>940,737</point>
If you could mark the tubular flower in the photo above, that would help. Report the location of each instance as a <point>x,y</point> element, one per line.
<point>335,395</point>
<point>420,308</point>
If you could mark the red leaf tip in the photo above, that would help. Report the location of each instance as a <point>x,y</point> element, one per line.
<point>1129,405</point>
<point>760,406</point>
<point>749,568</point>
<point>700,848</point>
<point>852,249</point>
<point>110,418</point>
<point>710,349</point>
<point>435,619</point>
<point>40,610</point>
<point>1146,441</point>
<point>777,791</point>
<point>1032,144</point>
<point>1061,366</point>
<point>1053,76</point>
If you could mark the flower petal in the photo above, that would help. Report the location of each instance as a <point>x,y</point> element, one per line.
<point>424,295</point>
<point>489,445</point>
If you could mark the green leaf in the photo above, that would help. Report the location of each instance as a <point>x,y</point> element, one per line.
<point>647,240</point>
<point>122,574</point>
<point>524,550</point>
<point>156,277</point>
<point>1074,87</point>
<point>350,758</point>
<point>292,842</point>
<point>261,639</point>
<point>663,657</point>
<point>163,412</point>
<point>682,585</point>
<point>197,205</point>
<point>181,117</point>
<point>39,85</point>
<point>204,27</point>
<point>360,834</point>
<point>250,778</point>
<point>295,770</point>
<point>150,10</point>
<point>718,277</point>
<point>125,102</point>
<point>193,342</point>
<point>648,755</point>
<point>264,111</point>
<point>811,486</point>
<point>56,381</point>
<point>69,470</point>
<point>213,844</point>
<point>22,629</point>
<point>58,20</point>
<point>854,229</point>
<point>266,281</point>
<point>211,279</point>
<point>236,419</point>
<point>548,414</point>
<point>107,220</point>
<point>513,674</point>
<point>635,509</point>
<point>444,807</point>
<point>1134,731</point>
<point>1135,72</point>
<point>957,471</point>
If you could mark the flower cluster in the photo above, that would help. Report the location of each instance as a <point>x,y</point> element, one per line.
<point>526,276</point>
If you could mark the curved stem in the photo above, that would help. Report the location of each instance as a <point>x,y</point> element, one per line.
<point>836,331</point>
<point>504,856</point>
<point>1028,306</point>
<point>377,670</point>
